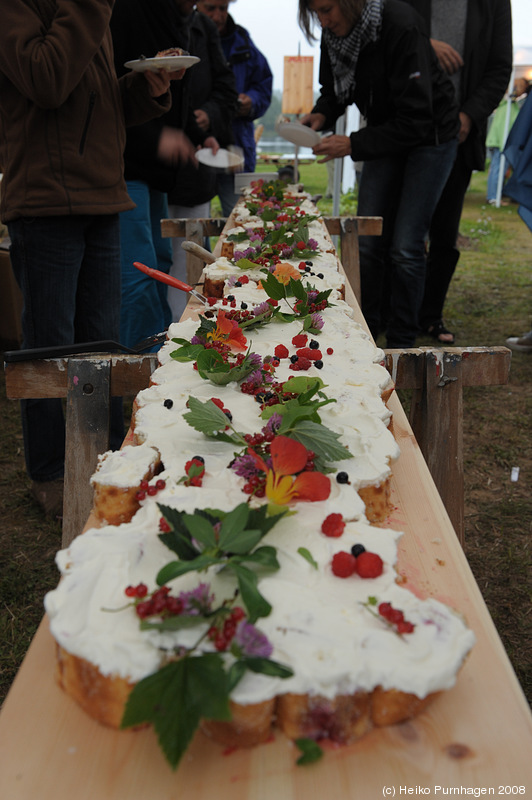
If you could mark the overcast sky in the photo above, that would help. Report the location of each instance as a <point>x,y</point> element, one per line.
<point>274,29</point>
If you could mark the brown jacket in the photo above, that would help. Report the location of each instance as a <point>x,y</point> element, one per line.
<point>62,110</point>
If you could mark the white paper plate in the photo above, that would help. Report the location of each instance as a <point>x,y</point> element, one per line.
<point>169,63</point>
<point>298,134</point>
<point>224,159</point>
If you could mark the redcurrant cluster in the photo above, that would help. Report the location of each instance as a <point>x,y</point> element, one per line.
<point>222,633</point>
<point>395,618</point>
<point>195,471</point>
<point>160,603</point>
<point>149,489</point>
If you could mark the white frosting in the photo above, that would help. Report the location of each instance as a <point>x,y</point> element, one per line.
<point>126,467</point>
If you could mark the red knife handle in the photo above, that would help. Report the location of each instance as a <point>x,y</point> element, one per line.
<point>163,277</point>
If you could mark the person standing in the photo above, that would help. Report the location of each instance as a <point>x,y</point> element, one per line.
<point>473,42</point>
<point>213,98</point>
<point>374,54</point>
<point>152,152</point>
<point>254,83</point>
<point>62,134</point>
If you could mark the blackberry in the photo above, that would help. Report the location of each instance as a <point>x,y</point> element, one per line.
<point>357,549</point>
<point>342,477</point>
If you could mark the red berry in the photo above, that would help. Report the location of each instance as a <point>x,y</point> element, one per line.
<point>164,527</point>
<point>281,351</point>
<point>140,496</point>
<point>369,565</point>
<point>385,609</point>
<point>217,402</point>
<point>300,340</point>
<point>343,564</point>
<point>333,525</point>
<point>160,484</point>
<point>405,627</point>
<point>330,351</point>
<point>144,485</point>
<point>310,353</point>
<point>396,616</point>
<point>131,591</point>
<point>152,490</point>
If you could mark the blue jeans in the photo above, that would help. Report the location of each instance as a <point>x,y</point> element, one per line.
<point>145,309</point>
<point>68,269</point>
<point>225,186</point>
<point>404,191</point>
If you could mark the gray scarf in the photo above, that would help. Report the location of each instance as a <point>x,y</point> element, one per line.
<point>344,51</point>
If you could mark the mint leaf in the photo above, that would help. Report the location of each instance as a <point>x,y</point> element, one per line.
<point>200,529</point>
<point>311,751</point>
<point>307,555</point>
<point>176,698</point>
<point>265,557</point>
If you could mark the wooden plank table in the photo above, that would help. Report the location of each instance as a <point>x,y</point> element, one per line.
<point>478,735</point>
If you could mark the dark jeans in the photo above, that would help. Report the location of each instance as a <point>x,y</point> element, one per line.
<point>443,253</point>
<point>68,269</point>
<point>404,191</point>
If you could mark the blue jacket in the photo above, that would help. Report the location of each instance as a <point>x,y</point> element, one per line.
<point>252,77</point>
<point>518,152</point>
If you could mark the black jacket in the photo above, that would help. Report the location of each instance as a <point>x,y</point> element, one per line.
<point>487,67</point>
<point>144,27</point>
<point>400,90</point>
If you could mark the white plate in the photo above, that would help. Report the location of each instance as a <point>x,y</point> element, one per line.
<point>169,63</point>
<point>224,159</point>
<point>298,134</point>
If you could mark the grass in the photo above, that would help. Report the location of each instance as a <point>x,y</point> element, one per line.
<point>490,299</point>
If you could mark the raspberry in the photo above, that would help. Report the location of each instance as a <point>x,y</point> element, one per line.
<point>281,351</point>
<point>217,402</point>
<point>343,564</point>
<point>333,525</point>
<point>310,353</point>
<point>369,565</point>
<point>300,340</point>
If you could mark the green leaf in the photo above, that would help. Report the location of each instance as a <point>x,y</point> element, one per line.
<point>200,529</point>
<point>311,751</point>
<point>235,675</point>
<point>205,417</point>
<point>256,605</point>
<point>245,263</point>
<point>178,539</point>
<point>273,288</point>
<point>265,557</point>
<point>302,384</point>
<point>259,518</point>
<point>297,289</point>
<point>265,666</point>
<point>189,352</point>
<point>306,554</point>
<point>320,439</point>
<point>176,698</point>
<point>176,568</point>
<point>175,623</point>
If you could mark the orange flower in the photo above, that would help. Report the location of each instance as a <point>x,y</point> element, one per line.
<point>228,332</point>
<point>289,458</point>
<point>283,272</point>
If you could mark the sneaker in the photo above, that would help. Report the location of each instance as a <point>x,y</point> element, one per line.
<point>522,344</point>
<point>49,495</point>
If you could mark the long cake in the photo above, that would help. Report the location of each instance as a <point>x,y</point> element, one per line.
<point>235,553</point>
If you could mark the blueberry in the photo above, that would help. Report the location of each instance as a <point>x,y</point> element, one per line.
<point>342,477</point>
<point>198,458</point>
<point>230,297</point>
<point>320,274</point>
<point>308,263</point>
<point>293,359</point>
<point>243,305</point>
<point>357,549</point>
<point>313,344</point>
<point>318,364</point>
<point>168,403</point>
<point>238,283</point>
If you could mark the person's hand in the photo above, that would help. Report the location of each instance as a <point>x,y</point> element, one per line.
<point>244,105</point>
<point>211,142</point>
<point>332,147</point>
<point>175,146</point>
<point>315,121</point>
<point>202,118</point>
<point>177,75</point>
<point>450,60</point>
<point>466,123</point>
<point>158,82</point>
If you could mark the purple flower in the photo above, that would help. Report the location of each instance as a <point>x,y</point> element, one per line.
<point>263,308</point>
<point>231,281</point>
<point>255,378</point>
<point>273,424</point>
<point>197,340</point>
<point>237,255</point>
<point>312,244</point>
<point>255,360</point>
<point>312,295</point>
<point>249,641</point>
<point>244,466</point>
<point>317,321</point>
<point>198,601</point>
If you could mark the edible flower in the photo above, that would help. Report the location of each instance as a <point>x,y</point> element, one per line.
<point>283,272</point>
<point>228,332</point>
<point>289,458</point>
